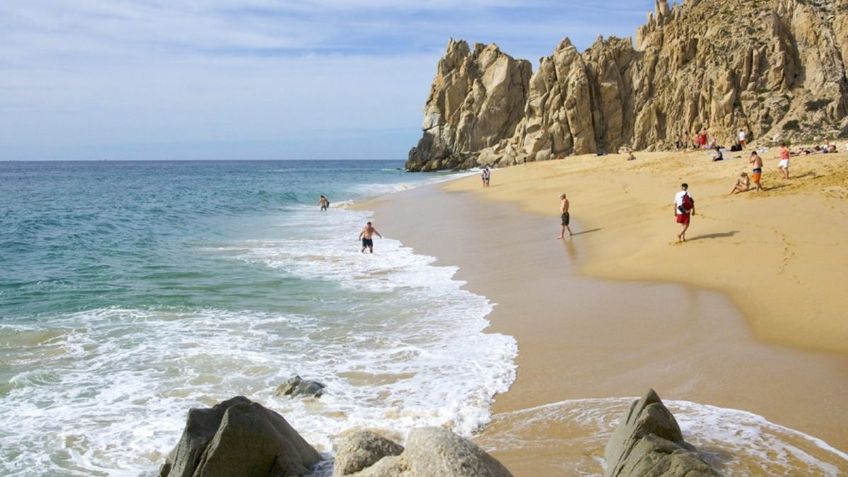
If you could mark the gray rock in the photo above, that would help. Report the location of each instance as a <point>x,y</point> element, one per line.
<point>297,386</point>
<point>648,442</point>
<point>239,438</point>
<point>360,449</point>
<point>437,452</point>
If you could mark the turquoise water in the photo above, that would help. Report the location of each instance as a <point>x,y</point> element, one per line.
<point>131,291</point>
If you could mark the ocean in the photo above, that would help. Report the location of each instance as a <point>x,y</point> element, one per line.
<point>133,291</point>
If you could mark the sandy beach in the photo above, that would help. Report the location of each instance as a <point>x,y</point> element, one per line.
<point>747,315</point>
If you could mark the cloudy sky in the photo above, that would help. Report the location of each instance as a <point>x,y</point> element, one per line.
<point>252,79</point>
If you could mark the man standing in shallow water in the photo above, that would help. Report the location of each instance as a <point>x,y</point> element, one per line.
<point>566,218</point>
<point>367,237</point>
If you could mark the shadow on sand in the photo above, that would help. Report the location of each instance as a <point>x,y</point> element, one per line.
<point>586,231</point>
<point>714,236</point>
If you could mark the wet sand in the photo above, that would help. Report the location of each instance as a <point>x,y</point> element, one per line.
<point>582,337</point>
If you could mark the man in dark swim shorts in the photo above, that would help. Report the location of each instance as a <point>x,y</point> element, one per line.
<point>566,218</point>
<point>367,237</point>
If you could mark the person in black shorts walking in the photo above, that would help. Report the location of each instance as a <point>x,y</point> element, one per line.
<point>566,218</point>
<point>367,237</point>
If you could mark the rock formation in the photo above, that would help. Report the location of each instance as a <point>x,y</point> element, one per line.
<point>239,438</point>
<point>648,443</point>
<point>476,100</point>
<point>776,68</point>
<point>430,451</point>
<point>297,386</point>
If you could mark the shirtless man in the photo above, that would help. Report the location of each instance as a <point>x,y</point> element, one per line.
<point>757,173</point>
<point>367,237</point>
<point>324,202</point>
<point>563,209</point>
<point>783,165</point>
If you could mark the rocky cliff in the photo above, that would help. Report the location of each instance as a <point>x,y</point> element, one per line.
<point>776,68</point>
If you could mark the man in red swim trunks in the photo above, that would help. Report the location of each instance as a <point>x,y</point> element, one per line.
<point>684,209</point>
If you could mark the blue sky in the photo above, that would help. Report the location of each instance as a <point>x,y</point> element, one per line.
<point>252,79</point>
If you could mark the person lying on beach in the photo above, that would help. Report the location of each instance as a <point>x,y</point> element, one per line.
<point>367,237</point>
<point>566,218</point>
<point>757,172</point>
<point>743,184</point>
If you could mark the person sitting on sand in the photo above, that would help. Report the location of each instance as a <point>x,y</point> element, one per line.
<point>684,208</point>
<point>757,172</point>
<point>367,237</point>
<point>783,165</point>
<point>743,184</point>
<point>717,155</point>
<point>324,203</point>
<point>566,218</point>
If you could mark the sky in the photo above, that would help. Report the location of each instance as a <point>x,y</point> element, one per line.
<point>252,79</point>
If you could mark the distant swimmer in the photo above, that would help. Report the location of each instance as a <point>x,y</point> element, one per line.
<point>367,237</point>
<point>566,218</point>
<point>324,202</point>
<point>757,171</point>
<point>684,208</point>
<point>486,175</point>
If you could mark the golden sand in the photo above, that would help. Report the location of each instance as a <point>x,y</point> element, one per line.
<point>779,253</point>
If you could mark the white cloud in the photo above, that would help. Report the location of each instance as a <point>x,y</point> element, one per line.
<point>80,73</point>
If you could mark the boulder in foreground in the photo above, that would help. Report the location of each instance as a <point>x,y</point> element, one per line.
<point>648,443</point>
<point>429,452</point>
<point>239,438</point>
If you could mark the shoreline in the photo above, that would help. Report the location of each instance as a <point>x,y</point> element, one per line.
<point>571,350</point>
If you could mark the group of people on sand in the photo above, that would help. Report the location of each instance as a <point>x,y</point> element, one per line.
<point>366,235</point>
<point>702,140</point>
<point>743,183</point>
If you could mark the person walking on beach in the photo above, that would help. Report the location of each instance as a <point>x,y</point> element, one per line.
<point>684,208</point>
<point>486,175</point>
<point>367,237</point>
<point>783,165</point>
<point>324,203</point>
<point>743,138</point>
<point>566,218</point>
<point>757,171</point>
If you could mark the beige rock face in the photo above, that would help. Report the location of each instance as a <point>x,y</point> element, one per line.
<point>776,68</point>
<point>477,99</point>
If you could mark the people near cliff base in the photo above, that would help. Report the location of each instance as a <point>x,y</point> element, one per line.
<point>743,184</point>
<point>486,175</point>
<point>324,203</point>
<point>783,165</point>
<point>564,215</point>
<point>367,237</point>
<point>757,171</point>
<point>684,209</point>
<point>717,154</point>
<point>742,137</point>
